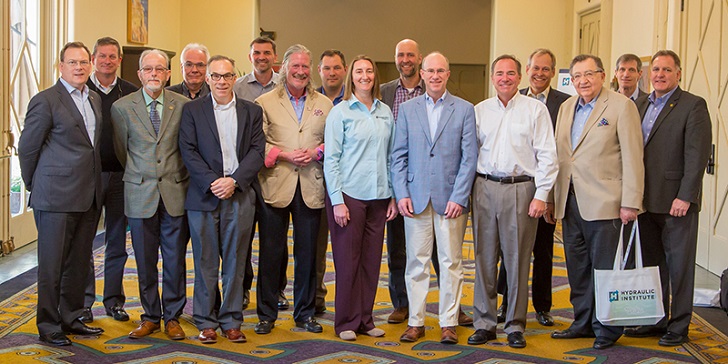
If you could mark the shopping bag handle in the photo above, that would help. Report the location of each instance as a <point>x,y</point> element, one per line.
<point>620,258</point>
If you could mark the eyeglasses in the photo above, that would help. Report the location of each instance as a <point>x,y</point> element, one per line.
<point>217,76</point>
<point>588,75</point>
<point>74,63</point>
<point>150,69</point>
<point>439,71</point>
<point>190,65</point>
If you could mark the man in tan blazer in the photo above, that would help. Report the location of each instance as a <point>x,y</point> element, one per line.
<point>599,186</point>
<point>291,183</point>
<point>146,128</point>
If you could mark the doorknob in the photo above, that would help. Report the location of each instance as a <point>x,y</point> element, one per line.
<point>10,147</point>
<point>711,161</point>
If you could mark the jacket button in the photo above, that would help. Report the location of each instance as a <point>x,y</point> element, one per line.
<point>160,179</point>
<point>159,161</point>
<point>296,169</point>
<point>432,154</point>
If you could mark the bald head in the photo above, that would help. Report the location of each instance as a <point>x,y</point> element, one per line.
<point>408,58</point>
<point>435,57</point>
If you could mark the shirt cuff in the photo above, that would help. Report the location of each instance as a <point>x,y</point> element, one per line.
<point>541,195</point>
<point>337,198</point>
<point>272,157</point>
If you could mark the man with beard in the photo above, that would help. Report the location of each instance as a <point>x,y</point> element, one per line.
<point>146,128</point>
<point>407,58</point>
<point>193,63</point>
<point>294,115</point>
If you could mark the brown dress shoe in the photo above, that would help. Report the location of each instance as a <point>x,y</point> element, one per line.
<point>399,315</point>
<point>145,328</point>
<point>464,319</point>
<point>207,336</point>
<point>174,330</point>
<point>234,335</point>
<point>448,335</point>
<point>412,334</point>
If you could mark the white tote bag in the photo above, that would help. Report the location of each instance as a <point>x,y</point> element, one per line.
<point>631,297</point>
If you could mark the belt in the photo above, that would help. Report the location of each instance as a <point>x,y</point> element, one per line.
<point>506,180</point>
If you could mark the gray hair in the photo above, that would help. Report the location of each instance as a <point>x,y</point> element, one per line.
<point>152,51</point>
<point>193,47</point>
<point>541,52</point>
<point>283,73</point>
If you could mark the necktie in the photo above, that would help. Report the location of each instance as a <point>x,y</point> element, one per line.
<point>154,116</point>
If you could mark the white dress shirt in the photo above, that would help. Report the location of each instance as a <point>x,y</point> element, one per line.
<point>226,118</point>
<point>516,140</point>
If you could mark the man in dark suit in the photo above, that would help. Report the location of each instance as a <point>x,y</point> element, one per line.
<point>222,144</point>
<point>193,63</point>
<point>541,69</point>
<point>628,72</point>
<point>61,167</point>
<point>676,129</point>
<point>146,128</point>
<point>106,58</point>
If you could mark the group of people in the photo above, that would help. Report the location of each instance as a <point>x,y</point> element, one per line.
<point>213,156</point>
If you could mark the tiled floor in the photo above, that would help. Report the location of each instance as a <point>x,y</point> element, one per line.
<point>26,258</point>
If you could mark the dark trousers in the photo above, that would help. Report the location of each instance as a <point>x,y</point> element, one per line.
<point>249,274</point>
<point>543,255</point>
<point>588,245</point>
<point>115,254</point>
<point>670,243</point>
<point>64,246</point>
<point>221,235</point>
<point>357,250</point>
<point>170,234</point>
<point>397,261</point>
<point>273,233</point>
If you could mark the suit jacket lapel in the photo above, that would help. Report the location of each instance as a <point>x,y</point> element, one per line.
<point>99,118</point>
<point>286,104</point>
<point>423,119</point>
<point>599,106</point>
<point>140,108</point>
<point>242,124</point>
<point>209,113</point>
<point>307,109</point>
<point>170,105</point>
<point>447,110</point>
<point>68,102</point>
<point>669,105</point>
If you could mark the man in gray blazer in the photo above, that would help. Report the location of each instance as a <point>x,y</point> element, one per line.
<point>146,128</point>
<point>677,134</point>
<point>433,166</point>
<point>61,167</point>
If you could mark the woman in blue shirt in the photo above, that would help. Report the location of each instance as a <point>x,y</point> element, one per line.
<point>358,137</point>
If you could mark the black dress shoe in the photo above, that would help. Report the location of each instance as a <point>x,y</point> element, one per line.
<point>644,331</point>
<point>283,301</point>
<point>246,299</point>
<point>81,329</point>
<point>117,313</point>
<point>264,327</point>
<point>87,316</point>
<point>55,338</point>
<point>481,336</point>
<point>603,343</point>
<point>568,334</point>
<point>672,339</point>
<point>516,340</point>
<point>501,315</point>
<point>310,325</point>
<point>544,318</point>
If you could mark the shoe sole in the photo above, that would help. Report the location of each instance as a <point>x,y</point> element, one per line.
<point>448,341</point>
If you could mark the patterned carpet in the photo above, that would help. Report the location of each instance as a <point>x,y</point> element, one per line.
<point>288,344</point>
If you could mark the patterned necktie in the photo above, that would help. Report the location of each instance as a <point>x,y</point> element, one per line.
<point>154,116</point>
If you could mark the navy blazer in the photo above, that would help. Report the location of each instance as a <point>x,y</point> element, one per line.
<point>199,144</point>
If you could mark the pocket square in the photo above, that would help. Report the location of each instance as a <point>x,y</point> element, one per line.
<point>602,122</point>
<point>318,112</point>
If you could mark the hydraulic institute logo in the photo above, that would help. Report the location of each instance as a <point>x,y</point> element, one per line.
<point>632,295</point>
<point>613,296</point>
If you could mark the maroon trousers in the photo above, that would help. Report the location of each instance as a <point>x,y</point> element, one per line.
<point>357,250</point>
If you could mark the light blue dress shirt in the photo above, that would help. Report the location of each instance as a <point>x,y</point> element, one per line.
<point>656,104</point>
<point>358,145</point>
<point>580,117</point>
<point>434,110</point>
<point>80,99</point>
<point>297,104</point>
<point>160,104</point>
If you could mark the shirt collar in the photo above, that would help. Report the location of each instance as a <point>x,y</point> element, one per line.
<point>217,106</point>
<point>290,97</point>
<point>545,93</point>
<point>70,88</point>
<point>420,85</point>
<point>250,78</point>
<point>591,103</point>
<point>99,85</point>
<point>654,99</point>
<point>635,94</point>
<point>353,101</point>
<point>148,99</point>
<point>442,99</point>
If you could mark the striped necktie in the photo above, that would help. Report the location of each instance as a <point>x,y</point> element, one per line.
<point>154,116</point>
